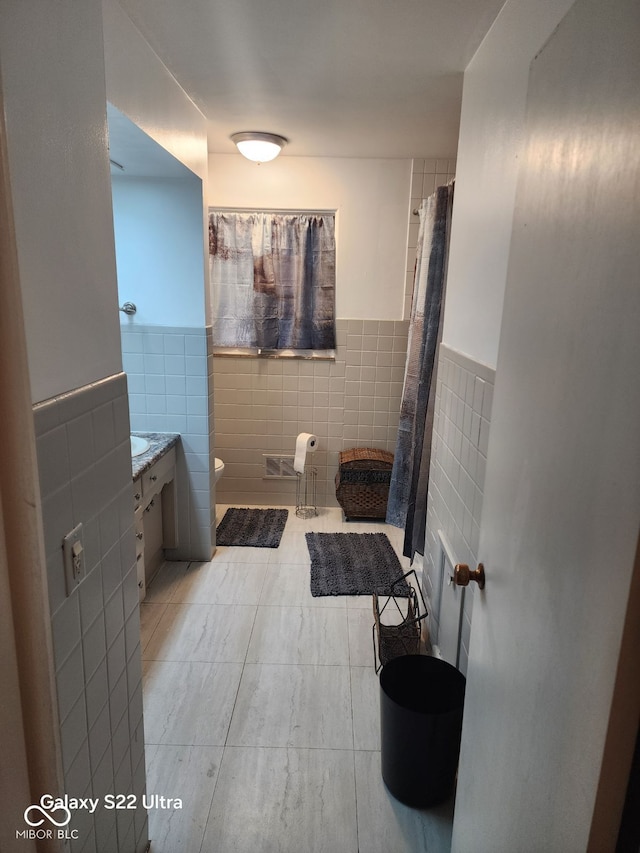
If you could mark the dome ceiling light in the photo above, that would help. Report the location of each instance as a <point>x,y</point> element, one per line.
<point>257,146</point>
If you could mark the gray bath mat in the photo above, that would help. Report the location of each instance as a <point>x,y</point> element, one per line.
<point>252,528</point>
<point>353,564</point>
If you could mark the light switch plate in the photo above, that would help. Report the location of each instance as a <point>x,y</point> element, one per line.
<point>74,562</point>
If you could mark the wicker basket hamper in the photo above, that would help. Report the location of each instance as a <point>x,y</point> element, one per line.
<point>362,482</point>
<point>396,627</point>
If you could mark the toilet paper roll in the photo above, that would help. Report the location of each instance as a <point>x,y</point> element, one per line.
<point>305,443</point>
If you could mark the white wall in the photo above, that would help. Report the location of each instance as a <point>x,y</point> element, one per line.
<point>159,251</point>
<point>54,95</point>
<point>371,197</point>
<point>59,172</point>
<point>491,139</point>
<point>57,139</point>
<point>142,88</point>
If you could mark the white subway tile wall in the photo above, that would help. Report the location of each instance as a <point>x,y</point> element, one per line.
<point>168,371</point>
<point>464,396</point>
<point>84,462</point>
<point>262,404</point>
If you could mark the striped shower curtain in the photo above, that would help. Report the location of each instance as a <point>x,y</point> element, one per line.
<point>407,505</point>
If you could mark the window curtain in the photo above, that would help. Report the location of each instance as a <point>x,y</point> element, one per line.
<point>407,504</point>
<point>272,278</point>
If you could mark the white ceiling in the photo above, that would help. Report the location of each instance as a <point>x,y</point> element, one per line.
<point>350,78</point>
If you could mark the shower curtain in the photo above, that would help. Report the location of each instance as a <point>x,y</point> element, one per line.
<point>407,505</point>
<point>272,277</point>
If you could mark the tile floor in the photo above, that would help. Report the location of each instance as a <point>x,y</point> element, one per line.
<point>261,709</point>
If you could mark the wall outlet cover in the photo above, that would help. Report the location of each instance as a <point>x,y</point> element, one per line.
<point>74,563</point>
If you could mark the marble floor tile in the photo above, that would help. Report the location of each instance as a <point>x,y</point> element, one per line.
<point>334,515</point>
<point>365,704</point>
<point>327,518</point>
<point>164,582</point>
<point>385,824</point>
<point>240,554</point>
<point>150,615</point>
<point>293,549</point>
<point>220,583</point>
<point>189,703</point>
<point>396,535</point>
<point>360,622</point>
<point>202,632</point>
<point>187,772</point>
<point>300,635</point>
<point>263,706</point>
<point>364,527</point>
<point>297,525</point>
<point>283,801</point>
<point>285,705</point>
<point>290,585</point>
<point>359,602</point>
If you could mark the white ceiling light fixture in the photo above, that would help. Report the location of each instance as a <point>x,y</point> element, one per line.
<point>257,146</point>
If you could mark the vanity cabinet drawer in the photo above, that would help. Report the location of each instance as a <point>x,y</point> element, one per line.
<point>155,515</point>
<point>142,585</point>
<point>139,533</point>
<point>159,474</point>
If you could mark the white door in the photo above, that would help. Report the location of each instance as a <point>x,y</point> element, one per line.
<point>562,497</point>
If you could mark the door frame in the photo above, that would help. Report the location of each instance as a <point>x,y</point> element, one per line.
<point>622,731</point>
<point>28,682</point>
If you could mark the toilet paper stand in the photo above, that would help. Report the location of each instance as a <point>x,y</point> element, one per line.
<point>306,493</point>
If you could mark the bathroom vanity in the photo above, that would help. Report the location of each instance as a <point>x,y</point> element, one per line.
<point>154,501</point>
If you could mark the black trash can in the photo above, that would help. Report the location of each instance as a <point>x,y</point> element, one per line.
<point>421,700</point>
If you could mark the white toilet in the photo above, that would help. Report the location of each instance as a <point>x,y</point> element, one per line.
<point>219,470</point>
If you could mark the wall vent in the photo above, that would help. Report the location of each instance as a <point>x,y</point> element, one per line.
<point>278,467</point>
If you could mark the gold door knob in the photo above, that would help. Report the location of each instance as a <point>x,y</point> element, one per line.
<point>462,575</point>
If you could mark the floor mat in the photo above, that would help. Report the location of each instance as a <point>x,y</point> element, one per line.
<point>354,564</point>
<point>252,528</point>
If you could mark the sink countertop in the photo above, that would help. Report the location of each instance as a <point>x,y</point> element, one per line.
<point>159,443</point>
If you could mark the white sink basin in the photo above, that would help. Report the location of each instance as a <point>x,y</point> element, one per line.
<point>138,445</point>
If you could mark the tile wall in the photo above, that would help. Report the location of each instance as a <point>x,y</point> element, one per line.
<point>84,461</point>
<point>464,398</point>
<point>262,404</point>
<point>169,391</point>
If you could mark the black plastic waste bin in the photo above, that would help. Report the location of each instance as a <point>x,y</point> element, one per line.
<point>421,701</point>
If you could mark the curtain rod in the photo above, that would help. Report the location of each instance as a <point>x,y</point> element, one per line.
<point>292,211</point>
